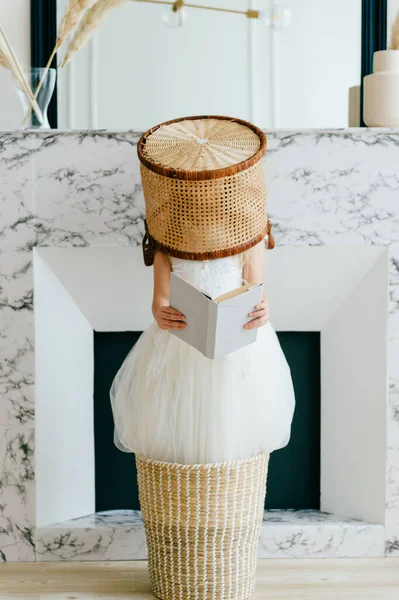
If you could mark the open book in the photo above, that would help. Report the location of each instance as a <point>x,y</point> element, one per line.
<point>214,325</point>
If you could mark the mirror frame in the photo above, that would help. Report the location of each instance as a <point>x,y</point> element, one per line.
<point>43,33</point>
<point>374,37</point>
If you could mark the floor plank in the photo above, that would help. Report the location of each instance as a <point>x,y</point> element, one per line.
<point>322,579</point>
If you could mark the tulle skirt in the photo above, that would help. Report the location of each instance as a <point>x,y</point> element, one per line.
<point>171,403</point>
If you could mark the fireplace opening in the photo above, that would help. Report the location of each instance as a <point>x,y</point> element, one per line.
<point>294,472</point>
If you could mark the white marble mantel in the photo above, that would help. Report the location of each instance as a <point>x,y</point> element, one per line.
<point>82,189</point>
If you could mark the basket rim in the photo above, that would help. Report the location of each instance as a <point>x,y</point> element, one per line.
<point>174,173</point>
<point>195,466</point>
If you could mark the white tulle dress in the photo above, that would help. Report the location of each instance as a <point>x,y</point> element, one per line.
<point>171,403</point>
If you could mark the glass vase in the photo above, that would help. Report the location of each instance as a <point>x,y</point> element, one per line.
<point>35,116</point>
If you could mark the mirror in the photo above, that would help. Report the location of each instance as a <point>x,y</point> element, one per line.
<point>136,70</point>
<point>299,66</point>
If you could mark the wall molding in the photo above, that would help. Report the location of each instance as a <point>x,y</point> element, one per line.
<point>252,62</point>
<point>93,55</point>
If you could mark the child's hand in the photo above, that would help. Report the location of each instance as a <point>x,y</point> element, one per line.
<point>261,314</point>
<point>169,318</point>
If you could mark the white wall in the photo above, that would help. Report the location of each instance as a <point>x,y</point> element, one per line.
<point>319,60</point>
<point>15,20</point>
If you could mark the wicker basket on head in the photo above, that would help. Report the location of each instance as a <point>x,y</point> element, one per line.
<point>202,525</point>
<point>204,187</point>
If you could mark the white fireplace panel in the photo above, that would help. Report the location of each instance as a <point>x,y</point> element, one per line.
<point>64,369</point>
<point>354,390</point>
<point>111,285</point>
<point>305,285</point>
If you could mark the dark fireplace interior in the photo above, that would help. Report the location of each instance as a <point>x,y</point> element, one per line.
<point>294,472</point>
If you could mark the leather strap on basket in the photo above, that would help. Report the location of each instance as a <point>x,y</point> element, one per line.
<point>270,238</point>
<point>148,247</point>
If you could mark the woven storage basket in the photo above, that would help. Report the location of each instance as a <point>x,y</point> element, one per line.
<point>202,525</point>
<point>204,187</point>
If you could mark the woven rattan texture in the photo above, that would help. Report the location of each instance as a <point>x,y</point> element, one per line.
<point>202,525</point>
<point>208,218</point>
<point>201,144</point>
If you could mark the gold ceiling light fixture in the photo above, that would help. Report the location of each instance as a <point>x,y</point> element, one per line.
<point>276,16</point>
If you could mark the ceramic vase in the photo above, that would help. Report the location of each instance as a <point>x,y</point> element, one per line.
<point>381,91</point>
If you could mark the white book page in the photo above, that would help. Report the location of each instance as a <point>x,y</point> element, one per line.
<point>231,317</point>
<point>194,305</point>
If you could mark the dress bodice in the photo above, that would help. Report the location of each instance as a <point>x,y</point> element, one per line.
<point>215,276</point>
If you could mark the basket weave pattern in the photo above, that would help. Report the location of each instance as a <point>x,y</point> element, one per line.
<point>228,214</point>
<point>201,144</point>
<point>204,186</point>
<point>202,525</point>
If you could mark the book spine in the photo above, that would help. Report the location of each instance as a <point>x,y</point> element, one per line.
<point>211,329</point>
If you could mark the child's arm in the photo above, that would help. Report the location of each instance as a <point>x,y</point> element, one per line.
<point>253,273</point>
<point>166,316</point>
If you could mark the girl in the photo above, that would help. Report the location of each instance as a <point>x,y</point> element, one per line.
<point>173,404</point>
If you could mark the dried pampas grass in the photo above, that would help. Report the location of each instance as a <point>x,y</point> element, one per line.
<point>7,56</point>
<point>72,16</point>
<point>394,45</point>
<point>9,60</point>
<point>90,22</point>
<point>87,16</point>
<point>3,61</point>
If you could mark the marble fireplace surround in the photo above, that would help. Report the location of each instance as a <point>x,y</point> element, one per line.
<point>71,199</point>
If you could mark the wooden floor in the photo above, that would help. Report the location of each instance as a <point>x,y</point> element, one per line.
<point>343,579</point>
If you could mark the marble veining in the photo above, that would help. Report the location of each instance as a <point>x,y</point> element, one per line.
<point>119,535</point>
<point>83,189</point>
